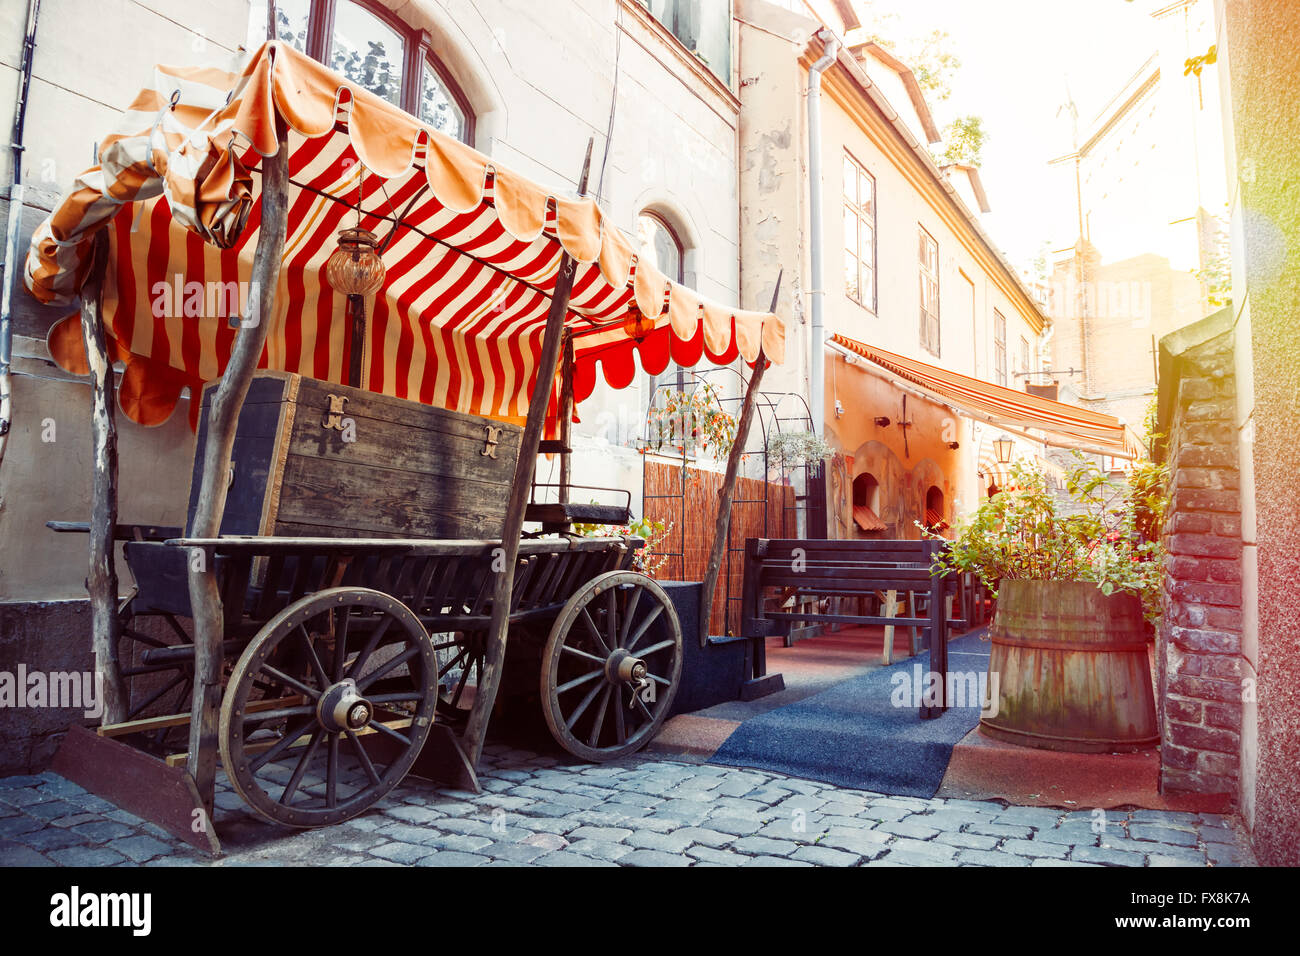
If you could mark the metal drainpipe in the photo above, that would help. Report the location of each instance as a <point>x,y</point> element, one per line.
<point>817,348</point>
<point>15,216</point>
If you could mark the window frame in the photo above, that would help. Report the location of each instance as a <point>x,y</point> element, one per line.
<point>417,51</point>
<point>929,320</point>
<point>1000,348</point>
<point>855,207</point>
<point>1026,358</point>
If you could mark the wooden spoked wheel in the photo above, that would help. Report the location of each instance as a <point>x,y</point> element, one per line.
<point>328,707</point>
<point>611,666</point>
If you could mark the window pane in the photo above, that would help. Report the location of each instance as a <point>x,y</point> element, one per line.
<point>850,180</point>
<point>438,108</point>
<point>659,246</point>
<point>868,286</point>
<point>866,191</point>
<point>851,275</point>
<point>290,22</point>
<point>867,245</point>
<point>367,51</point>
<point>850,232</point>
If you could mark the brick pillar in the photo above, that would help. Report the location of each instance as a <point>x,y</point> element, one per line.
<point>1199,662</point>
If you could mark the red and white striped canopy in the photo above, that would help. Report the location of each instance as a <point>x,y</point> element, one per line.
<point>470,270</point>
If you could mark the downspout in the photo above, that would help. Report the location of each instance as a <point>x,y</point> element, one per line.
<point>817,348</point>
<point>15,216</point>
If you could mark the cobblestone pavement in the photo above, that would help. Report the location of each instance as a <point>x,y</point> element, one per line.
<point>642,811</point>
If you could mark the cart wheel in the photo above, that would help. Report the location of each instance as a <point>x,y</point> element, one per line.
<point>328,707</point>
<point>611,666</point>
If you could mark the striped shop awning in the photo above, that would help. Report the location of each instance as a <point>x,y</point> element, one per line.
<point>471,268</point>
<point>1079,427</point>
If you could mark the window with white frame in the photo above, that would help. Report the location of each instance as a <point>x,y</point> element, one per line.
<point>929,260</point>
<point>859,234</point>
<point>999,348</point>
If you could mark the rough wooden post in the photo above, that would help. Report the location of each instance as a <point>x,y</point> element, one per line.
<point>101,581</point>
<point>499,626</point>
<point>891,610</point>
<point>223,416</point>
<point>566,418</point>
<point>727,493</point>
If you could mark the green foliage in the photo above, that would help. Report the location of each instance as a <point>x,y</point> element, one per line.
<point>1109,535</point>
<point>692,420</point>
<point>647,560</point>
<point>964,141</point>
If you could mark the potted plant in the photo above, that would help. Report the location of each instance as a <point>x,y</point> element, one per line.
<point>794,449</point>
<point>1077,577</point>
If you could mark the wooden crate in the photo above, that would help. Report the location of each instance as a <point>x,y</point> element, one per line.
<point>315,459</point>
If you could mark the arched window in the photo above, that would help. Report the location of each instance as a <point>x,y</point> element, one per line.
<point>374,49</point>
<point>657,244</point>
<point>866,506</point>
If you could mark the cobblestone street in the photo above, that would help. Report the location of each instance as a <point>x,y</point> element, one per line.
<point>642,811</point>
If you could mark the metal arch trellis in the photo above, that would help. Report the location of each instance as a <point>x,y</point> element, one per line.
<point>777,412</point>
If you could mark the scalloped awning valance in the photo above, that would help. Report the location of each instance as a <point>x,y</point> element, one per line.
<point>470,269</point>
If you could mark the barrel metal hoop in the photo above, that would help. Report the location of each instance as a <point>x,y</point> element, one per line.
<point>1068,645</point>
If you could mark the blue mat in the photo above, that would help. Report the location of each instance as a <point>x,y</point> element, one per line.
<point>853,735</point>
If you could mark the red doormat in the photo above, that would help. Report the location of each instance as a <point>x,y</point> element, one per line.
<point>985,769</point>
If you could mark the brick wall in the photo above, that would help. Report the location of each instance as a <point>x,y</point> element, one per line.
<point>1199,662</point>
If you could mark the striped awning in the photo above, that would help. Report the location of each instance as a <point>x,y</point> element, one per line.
<point>471,267</point>
<point>1079,427</point>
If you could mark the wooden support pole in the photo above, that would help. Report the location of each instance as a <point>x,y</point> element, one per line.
<point>223,417</point>
<point>566,417</point>
<point>101,581</point>
<point>356,311</point>
<point>727,493</point>
<point>504,563</point>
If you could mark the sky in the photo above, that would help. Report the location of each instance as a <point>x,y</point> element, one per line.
<point>1018,59</point>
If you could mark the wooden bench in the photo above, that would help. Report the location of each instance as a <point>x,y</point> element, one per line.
<point>811,568</point>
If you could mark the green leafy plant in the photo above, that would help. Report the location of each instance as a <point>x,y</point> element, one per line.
<point>1105,531</point>
<point>648,560</point>
<point>692,420</point>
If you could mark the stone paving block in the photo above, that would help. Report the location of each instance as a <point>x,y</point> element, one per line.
<point>862,842</point>
<point>674,842</point>
<point>567,858</point>
<point>689,812</point>
<point>757,845</point>
<point>600,850</point>
<point>945,819</point>
<point>706,835</point>
<point>969,841</point>
<point>401,852</point>
<point>605,834</point>
<point>557,825</point>
<point>74,820</point>
<point>462,842</point>
<point>15,854</point>
<point>50,838</point>
<point>1069,834</point>
<point>632,799</point>
<point>452,858</point>
<point>52,809</point>
<point>1223,854</point>
<point>140,848</point>
<point>1169,860</point>
<point>775,861</point>
<point>653,858</point>
<point>87,856</point>
<point>24,797</point>
<point>713,857</point>
<point>911,827</point>
<point>1161,834</point>
<point>738,825</point>
<point>405,833</point>
<point>413,814</point>
<point>1106,856</point>
<point>937,852</point>
<point>1035,848</point>
<point>990,858</point>
<point>15,826</point>
<point>1040,818</point>
<point>824,856</point>
<point>102,831</point>
<point>1001,830</point>
<point>884,813</point>
<point>801,831</point>
<point>1168,818</point>
<point>1048,861</point>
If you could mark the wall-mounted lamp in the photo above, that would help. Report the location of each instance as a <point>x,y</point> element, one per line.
<point>954,445</point>
<point>1002,448</point>
<point>839,408</point>
<point>882,421</point>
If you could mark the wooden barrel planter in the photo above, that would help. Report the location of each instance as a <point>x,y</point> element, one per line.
<point>1073,671</point>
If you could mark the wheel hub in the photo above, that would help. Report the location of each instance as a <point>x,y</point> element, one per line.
<point>342,708</point>
<point>623,667</point>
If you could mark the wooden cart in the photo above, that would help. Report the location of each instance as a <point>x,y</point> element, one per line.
<point>349,603</point>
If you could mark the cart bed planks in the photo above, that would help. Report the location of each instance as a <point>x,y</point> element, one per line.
<point>316,459</point>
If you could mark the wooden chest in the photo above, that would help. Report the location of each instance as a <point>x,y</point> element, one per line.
<point>320,460</point>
